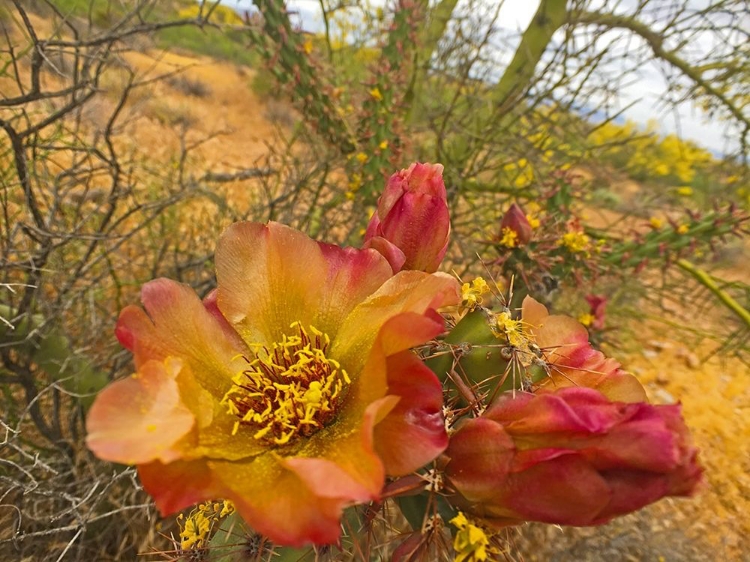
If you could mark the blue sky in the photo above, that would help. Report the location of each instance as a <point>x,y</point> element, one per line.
<point>641,94</point>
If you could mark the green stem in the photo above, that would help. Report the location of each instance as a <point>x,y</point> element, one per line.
<point>549,17</point>
<point>429,38</point>
<point>707,281</point>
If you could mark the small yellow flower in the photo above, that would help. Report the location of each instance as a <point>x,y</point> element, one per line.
<point>510,238</point>
<point>533,221</point>
<point>375,93</point>
<point>355,183</point>
<point>383,145</point>
<point>533,208</point>
<point>308,46</point>
<point>349,195</point>
<point>685,191</point>
<point>471,293</point>
<point>513,330</point>
<point>656,223</point>
<point>196,529</point>
<point>586,319</point>
<point>471,542</point>
<point>575,241</point>
<point>361,157</point>
<point>682,229</point>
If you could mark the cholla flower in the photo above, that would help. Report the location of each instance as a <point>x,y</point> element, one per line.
<point>291,390</point>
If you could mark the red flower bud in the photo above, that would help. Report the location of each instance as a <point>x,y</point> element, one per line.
<point>515,219</point>
<point>571,457</point>
<point>412,218</point>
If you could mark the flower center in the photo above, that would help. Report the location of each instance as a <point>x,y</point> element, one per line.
<point>289,389</point>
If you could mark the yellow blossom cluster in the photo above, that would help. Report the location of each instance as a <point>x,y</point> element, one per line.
<point>645,154</point>
<point>519,173</point>
<point>575,241</point>
<point>471,542</point>
<point>218,14</point>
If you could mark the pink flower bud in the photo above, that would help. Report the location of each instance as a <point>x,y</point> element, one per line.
<point>515,219</point>
<point>412,219</point>
<point>571,457</point>
<point>598,304</point>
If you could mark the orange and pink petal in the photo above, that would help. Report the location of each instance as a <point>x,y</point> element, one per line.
<point>180,484</point>
<point>413,433</point>
<point>140,418</point>
<point>177,323</point>
<point>271,276</point>
<point>571,358</point>
<point>408,291</point>
<point>278,503</point>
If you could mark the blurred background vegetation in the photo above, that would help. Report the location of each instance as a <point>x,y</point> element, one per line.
<point>134,131</point>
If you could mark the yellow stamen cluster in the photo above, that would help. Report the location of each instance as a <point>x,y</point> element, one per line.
<point>195,530</point>
<point>510,238</point>
<point>575,241</point>
<point>472,293</point>
<point>289,390</point>
<point>471,542</point>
